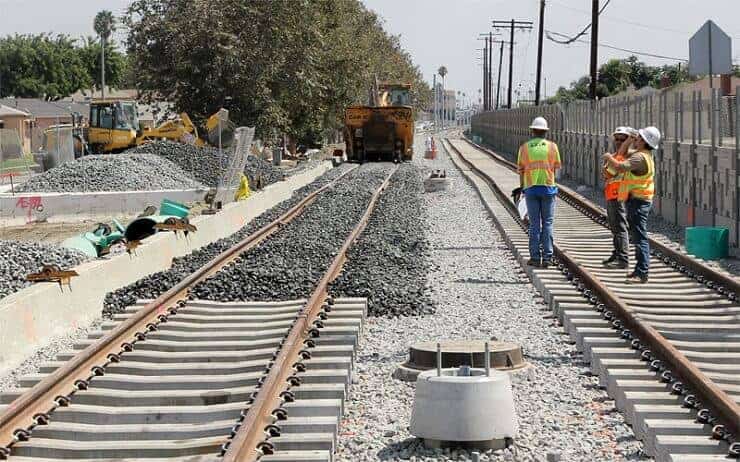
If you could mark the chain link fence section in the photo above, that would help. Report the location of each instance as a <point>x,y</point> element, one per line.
<point>234,162</point>
<point>698,162</point>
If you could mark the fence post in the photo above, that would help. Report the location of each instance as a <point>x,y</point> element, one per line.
<point>736,166</point>
<point>693,117</point>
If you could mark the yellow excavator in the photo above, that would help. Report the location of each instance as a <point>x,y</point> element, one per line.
<point>383,129</point>
<point>114,127</point>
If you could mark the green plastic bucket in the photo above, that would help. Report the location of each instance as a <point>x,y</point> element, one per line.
<point>169,207</point>
<point>706,242</point>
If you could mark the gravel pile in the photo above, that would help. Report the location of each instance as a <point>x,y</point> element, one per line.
<point>390,261</point>
<point>18,259</point>
<point>207,165</point>
<point>480,292</point>
<point>261,172</point>
<point>661,229</point>
<point>288,265</point>
<point>158,283</point>
<point>112,172</point>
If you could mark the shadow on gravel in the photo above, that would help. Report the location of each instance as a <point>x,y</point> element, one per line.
<point>401,449</point>
<point>487,281</point>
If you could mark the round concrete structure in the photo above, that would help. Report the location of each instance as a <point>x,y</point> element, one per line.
<point>453,409</point>
<point>503,356</point>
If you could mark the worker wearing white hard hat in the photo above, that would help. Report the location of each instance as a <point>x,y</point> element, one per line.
<point>616,211</point>
<point>537,161</point>
<point>636,190</point>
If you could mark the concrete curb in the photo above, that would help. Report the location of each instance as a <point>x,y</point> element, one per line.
<point>32,317</point>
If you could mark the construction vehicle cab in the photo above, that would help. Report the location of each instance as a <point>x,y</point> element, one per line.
<point>384,129</point>
<point>114,125</point>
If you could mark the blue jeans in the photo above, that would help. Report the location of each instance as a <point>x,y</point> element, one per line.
<point>541,211</point>
<point>637,215</point>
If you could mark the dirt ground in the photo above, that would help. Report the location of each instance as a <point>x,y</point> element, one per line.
<point>52,232</point>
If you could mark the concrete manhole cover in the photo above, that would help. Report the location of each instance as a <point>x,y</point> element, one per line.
<point>504,356</point>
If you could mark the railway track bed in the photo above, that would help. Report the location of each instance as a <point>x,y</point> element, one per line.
<point>695,315</point>
<point>183,378</point>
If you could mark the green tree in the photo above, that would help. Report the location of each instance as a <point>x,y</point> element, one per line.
<point>41,66</point>
<point>286,66</point>
<point>115,63</point>
<point>104,24</point>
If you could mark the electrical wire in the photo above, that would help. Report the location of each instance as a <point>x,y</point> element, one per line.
<point>583,32</point>
<point>550,36</point>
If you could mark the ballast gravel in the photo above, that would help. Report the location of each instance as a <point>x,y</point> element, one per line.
<point>289,264</point>
<point>390,261</point>
<point>208,165</point>
<point>157,283</point>
<point>20,258</point>
<point>112,172</point>
<point>480,293</point>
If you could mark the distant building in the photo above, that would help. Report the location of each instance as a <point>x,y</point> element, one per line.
<point>448,103</point>
<point>18,122</point>
<point>44,114</point>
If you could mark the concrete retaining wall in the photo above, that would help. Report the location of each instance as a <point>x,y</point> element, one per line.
<point>32,317</point>
<point>22,208</point>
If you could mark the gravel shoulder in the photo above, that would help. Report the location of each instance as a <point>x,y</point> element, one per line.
<point>480,292</point>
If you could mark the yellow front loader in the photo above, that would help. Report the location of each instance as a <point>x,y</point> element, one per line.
<point>115,127</point>
<point>384,129</point>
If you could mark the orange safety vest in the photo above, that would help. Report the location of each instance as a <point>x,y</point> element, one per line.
<point>639,186</point>
<point>537,162</point>
<point>613,179</point>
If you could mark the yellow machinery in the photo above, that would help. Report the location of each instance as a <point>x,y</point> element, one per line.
<point>384,129</point>
<point>114,127</point>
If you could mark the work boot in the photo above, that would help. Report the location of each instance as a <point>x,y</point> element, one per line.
<point>616,264</point>
<point>609,260</point>
<point>546,263</point>
<point>533,262</point>
<point>637,278</point>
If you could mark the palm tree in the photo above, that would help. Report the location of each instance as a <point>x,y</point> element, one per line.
<point>104,26</point>
<point>442,71</point>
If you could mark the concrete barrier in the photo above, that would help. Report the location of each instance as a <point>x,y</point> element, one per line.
<point>22,208</point>
<point>32,317</point>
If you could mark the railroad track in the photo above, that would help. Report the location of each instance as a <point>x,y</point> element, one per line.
<point>182,379</point>
<point>668,351</point>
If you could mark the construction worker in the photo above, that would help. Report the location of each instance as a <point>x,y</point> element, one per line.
<point>615,210</point>
<point>538,160</point>
<point>636,190</point>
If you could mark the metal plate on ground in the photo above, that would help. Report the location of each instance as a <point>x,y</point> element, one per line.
<point>504,356</point>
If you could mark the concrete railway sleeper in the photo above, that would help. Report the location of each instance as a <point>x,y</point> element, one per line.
<point>668,352</point>
<point>174,377</point>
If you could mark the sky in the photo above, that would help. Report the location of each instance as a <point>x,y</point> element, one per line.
<point>445,32</point>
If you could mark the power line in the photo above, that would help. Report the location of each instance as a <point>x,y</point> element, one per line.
<point>549,34</point>
<point>583,32</point>
<point>512,26</point>
<point>651,27</point>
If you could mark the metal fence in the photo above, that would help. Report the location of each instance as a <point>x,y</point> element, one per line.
<point>696,164</point>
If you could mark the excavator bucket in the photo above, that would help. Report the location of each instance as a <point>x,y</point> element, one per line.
<point>220,129</point>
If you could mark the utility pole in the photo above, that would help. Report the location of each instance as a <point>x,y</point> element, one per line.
<point>594,46</point>
<point>512,25</point>
<point>539,53</point>
<point>500,65</point>
<point>485,76</point>
<point>490,70</point>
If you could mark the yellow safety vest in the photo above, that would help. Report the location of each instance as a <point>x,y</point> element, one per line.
<point>538,160</point>
<point>639,186</point>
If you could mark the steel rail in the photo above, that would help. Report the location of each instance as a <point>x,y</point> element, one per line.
<point>732,285</point>
<point>710,394</point>
<point>249,440</point>
<point>56,389</point>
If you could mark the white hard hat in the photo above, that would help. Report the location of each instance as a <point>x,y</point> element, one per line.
<point>539,123</point>
<point>651,135</point>
<point>622,130</point>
